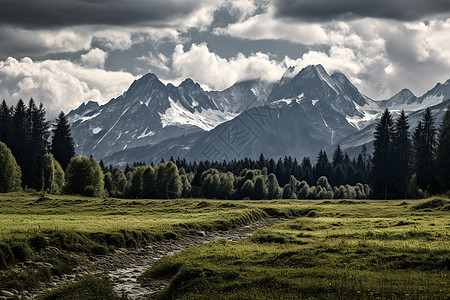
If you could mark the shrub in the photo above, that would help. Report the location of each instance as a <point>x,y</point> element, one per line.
<point>274,190</point>
<point>85,177</point>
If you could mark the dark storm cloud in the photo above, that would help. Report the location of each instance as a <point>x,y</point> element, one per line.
<point>60,13</point>
<point>324,10</point>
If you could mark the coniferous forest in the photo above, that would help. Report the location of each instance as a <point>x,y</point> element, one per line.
<point>406,163</point>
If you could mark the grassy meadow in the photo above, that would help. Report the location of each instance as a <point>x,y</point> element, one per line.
<point>344,250</point>
<point>328,249</point>
<point>31,225</point>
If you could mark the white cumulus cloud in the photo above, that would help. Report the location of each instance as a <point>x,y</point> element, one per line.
<point>58,84</point>
<point>266,27</point>
<point>94,58</point>
<point>216,72</point>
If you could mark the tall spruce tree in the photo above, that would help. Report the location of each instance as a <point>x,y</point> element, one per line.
<point>5,123</point>
<point>443,152</point>
<point>323,166</point>
<point>31,159</point>
<point>338,177</point>
<point>382,157</point>
<point>402,156</point>
<point>62,146</point>
<point>338,156</point>
<point>20,140</point>
<point>38,145</point>
<point>425,151</point>
<point>307,170</point>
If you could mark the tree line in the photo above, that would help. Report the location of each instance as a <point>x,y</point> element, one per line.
<point>340,170</point>
<point>402,166</point>
<point>24,130</point>
<point>409,165</point>
<point>166,181</point>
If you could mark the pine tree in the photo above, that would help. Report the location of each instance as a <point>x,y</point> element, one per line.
<point>402,157</point>
<point>443,152</point>
<point>323,166</point>
<point>307,170</point>
<point>38,128</point>
<point>382,157</point>
<point>20,140</point>
<point>102,165</point>
<point>261,162</point>
<point>425,150</point>
<point>5,123</point>
<point>338,156</point>
<point>361,169</point>
<point>62,146</point>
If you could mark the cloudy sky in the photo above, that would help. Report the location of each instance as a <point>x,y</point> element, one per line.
<point>65,52</point>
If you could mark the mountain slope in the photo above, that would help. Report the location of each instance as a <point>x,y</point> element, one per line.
<point>242,95</point>
<point>277,129</point>
<point>147,113</point>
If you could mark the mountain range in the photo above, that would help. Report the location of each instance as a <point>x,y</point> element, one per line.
<point>299,115</point>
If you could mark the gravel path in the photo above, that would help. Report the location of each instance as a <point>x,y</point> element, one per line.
<point>124,266</point>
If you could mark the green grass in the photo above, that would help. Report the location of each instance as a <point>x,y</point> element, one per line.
<point>335,249</point>
<point>24,215</point>
<point>88,288</point>
<point>31,228</point>
<point>349,250</point>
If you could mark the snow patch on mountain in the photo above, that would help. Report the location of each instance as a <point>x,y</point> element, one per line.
<point>146,134</point>
<point>430,100</point>
<point>205,119</point>
<point>369,116</point>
